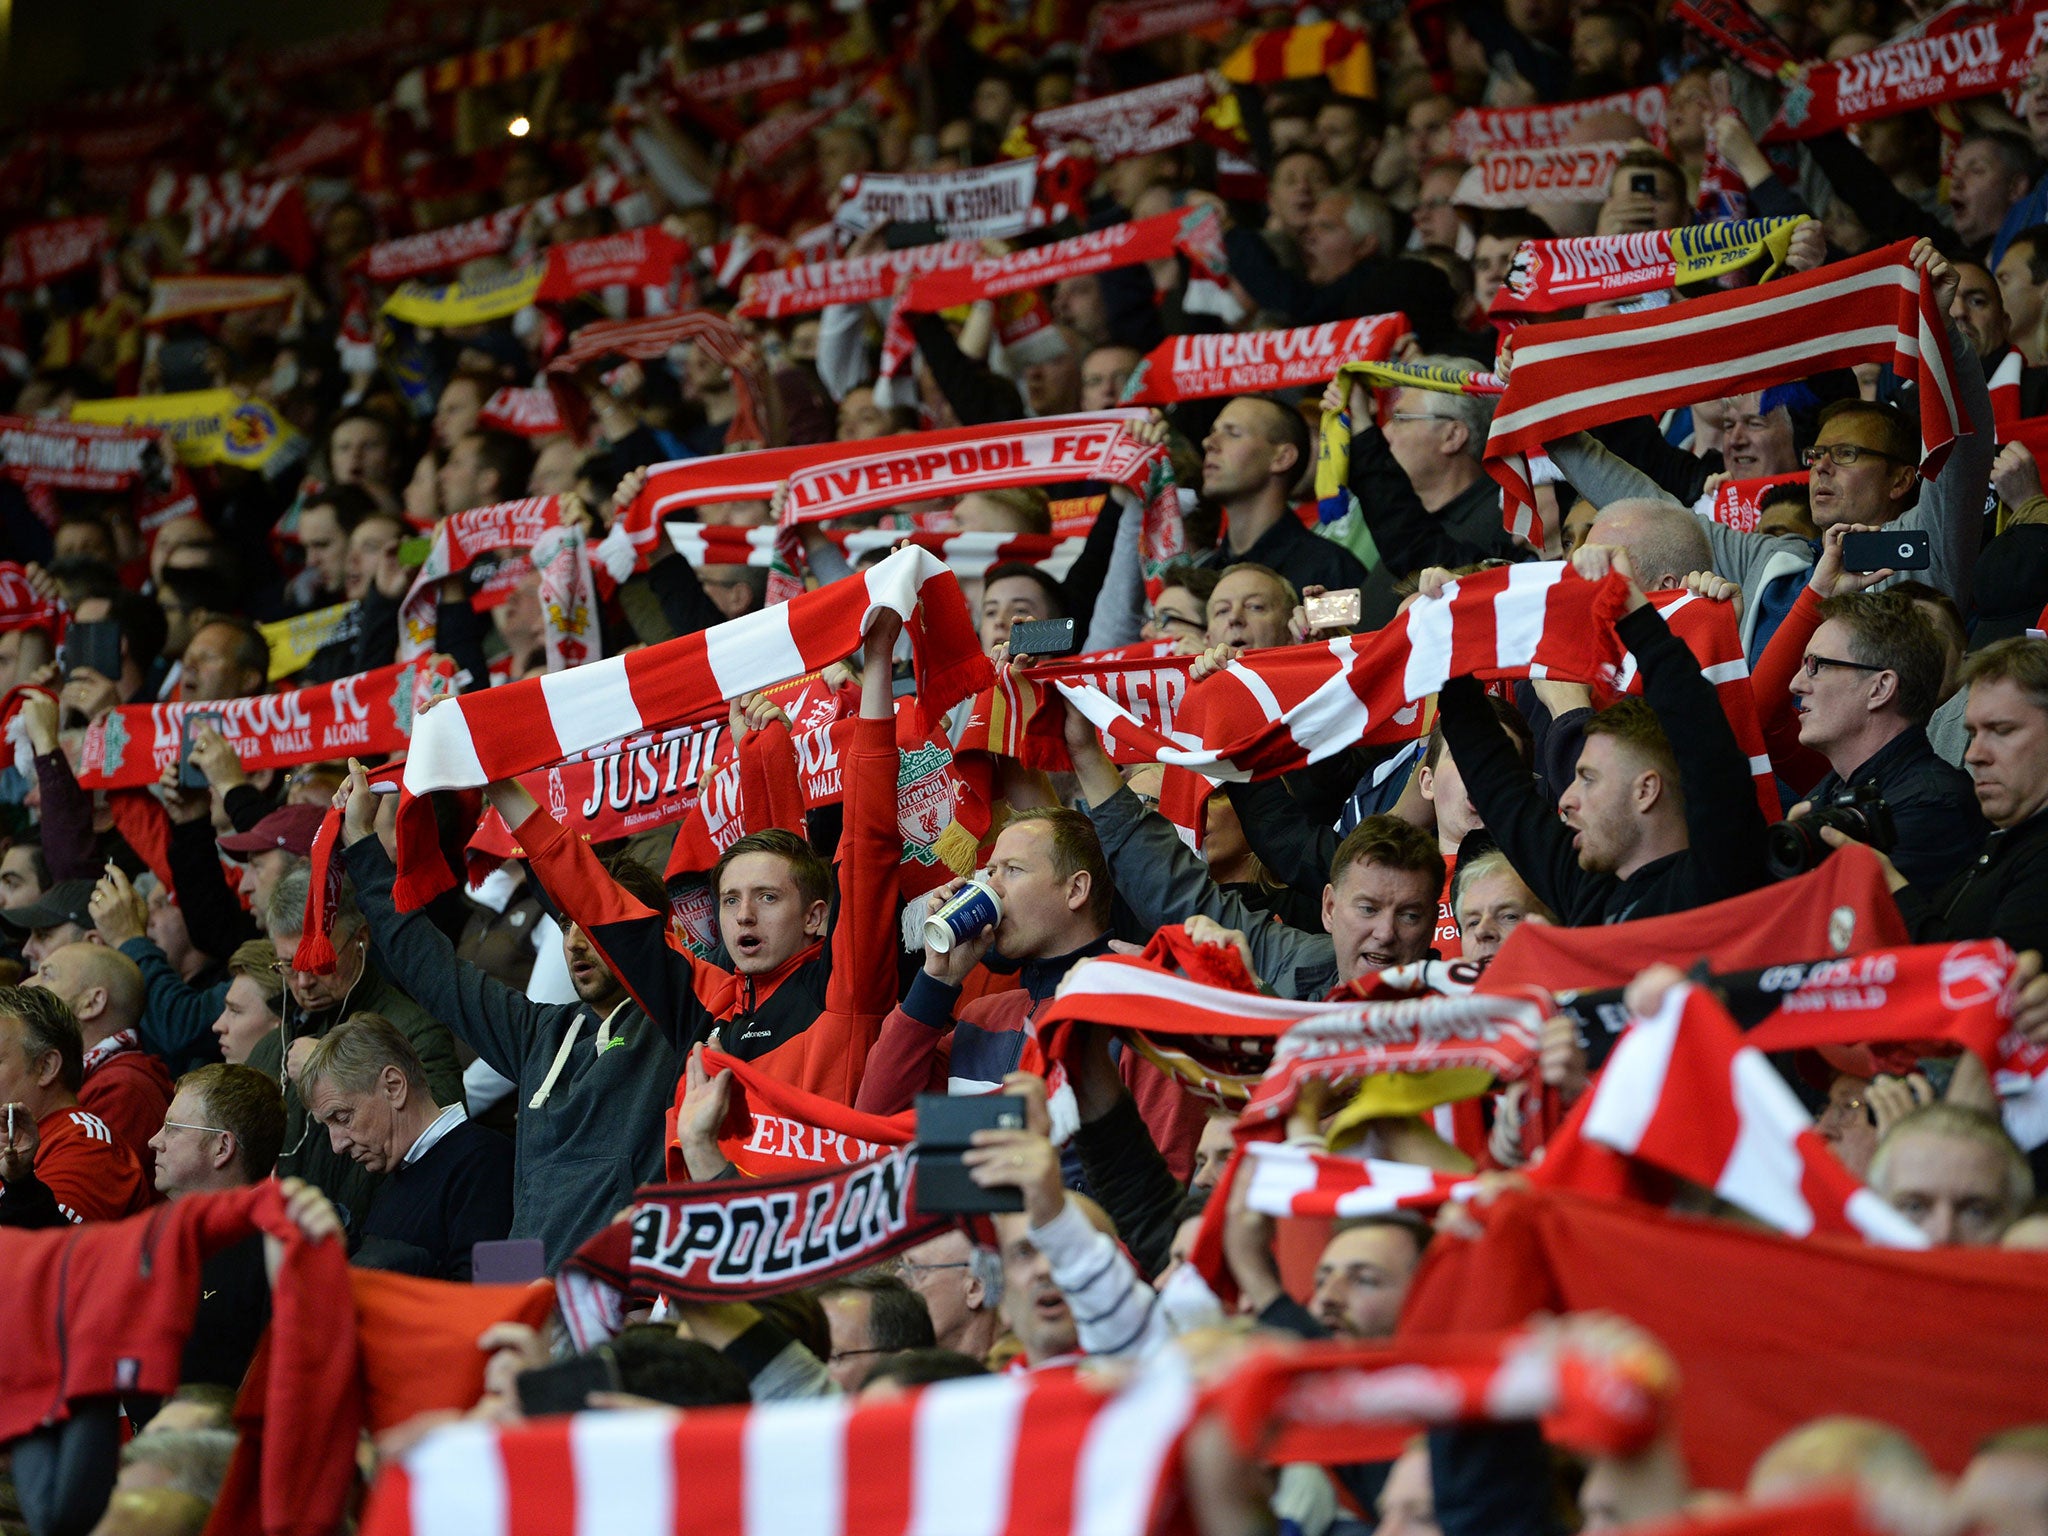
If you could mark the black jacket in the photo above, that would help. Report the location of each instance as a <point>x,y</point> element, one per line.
<point>1933,806</point>
<point>1378,285</point>
<point>1304,558</point>
<point>1726,856</point>
<point>2002,894</point>
<point>1464,531</point>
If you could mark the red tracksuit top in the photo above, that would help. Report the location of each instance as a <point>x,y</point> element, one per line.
<point>91,1174</point>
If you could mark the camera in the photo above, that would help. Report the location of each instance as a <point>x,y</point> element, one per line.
<point>1794,847</point>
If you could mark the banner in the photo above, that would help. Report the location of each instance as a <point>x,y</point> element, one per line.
<point>853,280</point>
<point>206,426</point>
<point>1482,128</point>
<point>1204,365</point>
<point>1739,503</point>
<point>40,253</point>
<point>738,1238</point>
<point>983,202</point>
<point>1546,275</point>
<point>371,712</point>
<point>1977,59</point>
<point>71,456</point>
<point>180,298</point>
<point>648,257</point>
<point>1514,177</point>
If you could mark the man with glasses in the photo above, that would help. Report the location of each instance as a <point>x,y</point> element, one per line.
<point>1421,487</point>
<point>222,1131</point>
<point>1869,678</point>
<point>962,1286</point>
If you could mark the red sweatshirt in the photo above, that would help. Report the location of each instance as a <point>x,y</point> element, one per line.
<point>130,1090</point>
<point>91,1174</point>
<point>1801,767</point>
<point>88,1311</point>
<point>810,1023</point>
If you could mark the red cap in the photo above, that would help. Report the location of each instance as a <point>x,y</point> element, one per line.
<point>290,827</point>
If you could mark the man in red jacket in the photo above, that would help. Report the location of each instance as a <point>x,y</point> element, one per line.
<point>124,1085</point>
<point>58,1162</point>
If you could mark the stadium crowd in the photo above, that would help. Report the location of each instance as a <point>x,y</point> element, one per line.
<point>1166,765</point>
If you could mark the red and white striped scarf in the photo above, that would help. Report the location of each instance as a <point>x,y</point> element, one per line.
<point>1196,233</point>
<point>501,732</point>
<point>525,412</point>
<point>220,206</point>
<point>779,68</point>
<point>1122,24</point>
<point>1033,1454</point>
<point>1710,631</point>
<point>1683,1094</point>
<point>2004,387</point>
<point>41,253</point>
<point>23,607</point>
<point>1274,711</point>
<point>1480,128</point>
<point>1583,373</point>
<point>436,250</point>
<point>1282,1179</point>
<point>652,338</point>
<point>967,555</point>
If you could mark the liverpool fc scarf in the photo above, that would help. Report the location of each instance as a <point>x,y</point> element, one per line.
<point>1245,362</point>
<point>1584,373</point>
<point>1547,275</point>
<point>23,607</point>
<point>1034,1453</point>
<point>1980,57</point>
<point>437,250</point>
<point>459,541</point>
<point>1333,456</point>
<point>1139,122</point>
<point>1684,1095</point>
<point>1739,503</point>
<point>1282,1179</point>
<point>524,412</point>
<point>182,298</point>
<point>1480,128</point>
<point>968,555</point>
<point>369,713</point>
<point>652,338</point>
<point>1325,50</point>
<point>1123,24</point>
<point>1514,176</point>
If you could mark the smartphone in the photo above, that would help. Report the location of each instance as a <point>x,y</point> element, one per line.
<point>508,1261</point>
<point>1643,183</point>
<point>96,645</point>
<point>566,1387</point>
<point>1334,610</point>
<point>902,234</point>
<point>1900,549</point>
<point>189,775</point>
<point>1043,637</point>
<point>945,1128</point>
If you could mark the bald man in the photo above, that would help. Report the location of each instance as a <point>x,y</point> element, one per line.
<point>124,1085</point>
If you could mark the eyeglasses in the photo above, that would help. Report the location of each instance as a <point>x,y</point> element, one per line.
<point>1416,416</point>
<point>1844,455</point>
<point>922,1268</point>
<point>1813,664</point>
<point>180,1125</point>
<point>1161,619</point>
<point>851,1354</point>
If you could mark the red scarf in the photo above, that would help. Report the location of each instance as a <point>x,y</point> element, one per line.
<point>1478,128</point>
<point>1568,377</point>
<point>977,202</point>
<point>219,207</point>
<point>1682,1094</point>
<point>1937,995</point>
<point>1710,1290</point>
<point>1285,1180</point>
<point>23,607</point>
<point>1739,503</point>
<point>1196,233</point>
<point>1138,122</point>
<point>782,291</point>
<point>459,541</point>
<point>359,716</point>
<point>40,253</point>
<point>1738,31</point>
<point>74,455</point>
<point>1124,24</point>
<point>778,69</point>
<point>1841,908</point>
<point>1981,55</point>
<point>1548,275</point>
<point>526,412</point>
<point>1202,366</point>
<point>503,732</point>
